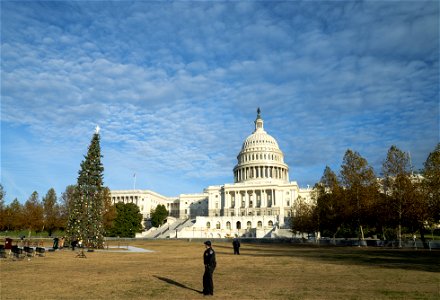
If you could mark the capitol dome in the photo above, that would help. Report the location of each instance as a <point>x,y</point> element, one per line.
<point>260,158</point>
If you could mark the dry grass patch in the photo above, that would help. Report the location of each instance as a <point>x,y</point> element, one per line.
<point>174,271</point>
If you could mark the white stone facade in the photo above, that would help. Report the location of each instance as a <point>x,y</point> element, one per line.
<point>258,202</point>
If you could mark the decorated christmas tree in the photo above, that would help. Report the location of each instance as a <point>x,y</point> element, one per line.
<point>85,221</point>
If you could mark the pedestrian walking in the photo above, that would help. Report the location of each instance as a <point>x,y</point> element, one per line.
<point>210,264</point>
<point>236,245</point>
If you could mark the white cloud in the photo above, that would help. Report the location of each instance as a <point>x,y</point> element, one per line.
<point>175,86</point>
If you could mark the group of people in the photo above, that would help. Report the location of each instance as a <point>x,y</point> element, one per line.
<point>210,264</point>
<point>58,243</point>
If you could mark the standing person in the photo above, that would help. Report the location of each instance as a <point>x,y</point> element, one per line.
<point>74,243</point>
<point>210,264</point>
<point>236,245</point>
<point>61,243</point>
<point>55,243</point>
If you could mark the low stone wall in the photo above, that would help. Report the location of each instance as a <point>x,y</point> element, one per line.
<point>330,242</point>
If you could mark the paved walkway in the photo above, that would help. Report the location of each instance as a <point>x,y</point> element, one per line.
<point>130,249</point>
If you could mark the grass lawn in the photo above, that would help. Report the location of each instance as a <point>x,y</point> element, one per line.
<point>174,271</point>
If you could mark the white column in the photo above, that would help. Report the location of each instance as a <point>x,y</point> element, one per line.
<point>237,202</point>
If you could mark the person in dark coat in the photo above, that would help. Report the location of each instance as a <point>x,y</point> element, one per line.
<point>74,243</point>
<point>210,264</point>
<point>236,245</point>
<point>55,243</point>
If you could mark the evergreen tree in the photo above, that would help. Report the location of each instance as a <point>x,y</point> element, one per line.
<point>158,215</point>
<point>128,220</point>
<point>86,218</point>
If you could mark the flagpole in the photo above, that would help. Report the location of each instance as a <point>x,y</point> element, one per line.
<point>134,181</point>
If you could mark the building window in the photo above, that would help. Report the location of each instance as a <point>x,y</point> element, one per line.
<point>217,226</point>
<point>259,224</point>
<point>238,225</point>
<point>270,224</point>
<point>208,225</point>
<point>228,225</point>
<point>249,225</point>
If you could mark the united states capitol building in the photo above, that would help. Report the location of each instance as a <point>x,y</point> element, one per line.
<point>258,204</point>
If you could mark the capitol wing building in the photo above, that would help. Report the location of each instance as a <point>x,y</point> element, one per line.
<point>258,204</point>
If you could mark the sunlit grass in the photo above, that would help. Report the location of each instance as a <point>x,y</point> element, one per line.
<point>174,271</point>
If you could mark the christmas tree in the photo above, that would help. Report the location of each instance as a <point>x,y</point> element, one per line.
<point>85,221</point>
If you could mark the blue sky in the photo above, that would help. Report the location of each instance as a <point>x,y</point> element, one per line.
<point>175,86</point>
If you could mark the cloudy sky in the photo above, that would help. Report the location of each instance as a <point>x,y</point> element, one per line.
<point>175,86</point>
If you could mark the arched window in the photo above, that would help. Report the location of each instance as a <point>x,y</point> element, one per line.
<point>270,223</point>
<point>228,225</point>
<point>208,225</point>
<point>249,225</point>
<point>217,225</point>
<point>238,225</point>
<point>259,224</point>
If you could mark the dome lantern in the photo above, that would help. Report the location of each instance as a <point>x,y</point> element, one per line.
<point>259,121</point>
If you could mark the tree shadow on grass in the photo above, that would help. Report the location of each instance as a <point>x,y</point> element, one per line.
<point>178,284</point>
<point>420,260</point>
